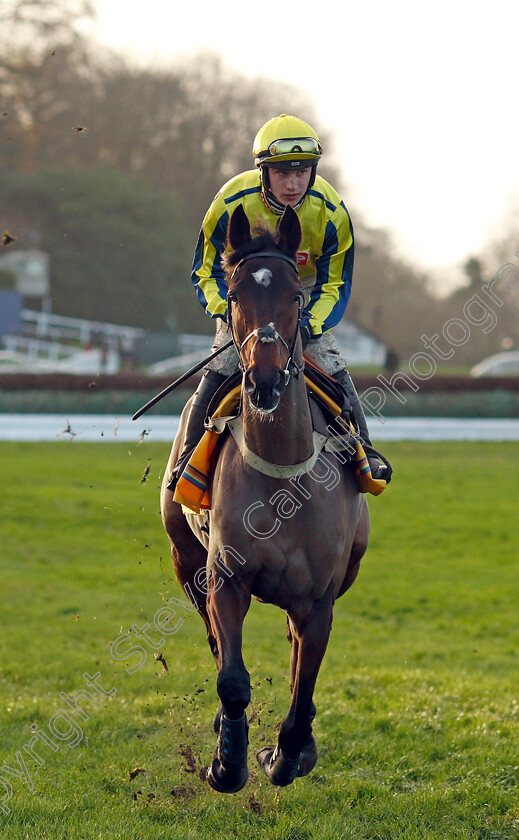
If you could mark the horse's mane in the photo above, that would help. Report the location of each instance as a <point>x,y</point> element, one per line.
<point>264,240</point>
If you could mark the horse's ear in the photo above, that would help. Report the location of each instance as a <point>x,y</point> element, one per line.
<point>238,232</point>
<point>289,231</point>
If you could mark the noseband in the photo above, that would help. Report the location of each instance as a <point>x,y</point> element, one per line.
<point>269,333</point>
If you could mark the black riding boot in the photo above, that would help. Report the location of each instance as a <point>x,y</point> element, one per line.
<point>380,468</point>
<point>207,388</point>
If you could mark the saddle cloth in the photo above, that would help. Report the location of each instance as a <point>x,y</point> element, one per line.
<point>193,487</point>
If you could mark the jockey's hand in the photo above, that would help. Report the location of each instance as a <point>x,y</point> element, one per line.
<point>305,335</point>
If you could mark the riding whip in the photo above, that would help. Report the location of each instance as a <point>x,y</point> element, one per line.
<point>179,381</point>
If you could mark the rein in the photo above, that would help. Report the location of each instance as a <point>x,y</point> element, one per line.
<point>269,333</point>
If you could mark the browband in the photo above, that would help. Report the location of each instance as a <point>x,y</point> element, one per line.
<point>260,254</point>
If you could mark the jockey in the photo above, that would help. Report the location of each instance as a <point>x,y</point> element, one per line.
<point>286,152</point>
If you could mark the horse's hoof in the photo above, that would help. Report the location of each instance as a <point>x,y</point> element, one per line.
<point>278,768</point>
<point>308,757</point>
<point>229,779</point>
<point>228,772</point>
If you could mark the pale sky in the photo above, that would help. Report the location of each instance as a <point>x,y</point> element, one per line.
<point>421,100</point>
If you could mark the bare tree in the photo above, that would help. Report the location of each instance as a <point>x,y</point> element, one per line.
<point>31,26</point>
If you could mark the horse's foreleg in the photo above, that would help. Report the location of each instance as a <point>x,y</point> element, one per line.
<point>227,605</point>
<point>294,653</point>
<point>188,554</point>
<point>188,578</point>
<point>296,752</point>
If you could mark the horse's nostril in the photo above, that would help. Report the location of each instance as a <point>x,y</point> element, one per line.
<point>264,392</point>
<point>279,386</point>
<point>250,384</point>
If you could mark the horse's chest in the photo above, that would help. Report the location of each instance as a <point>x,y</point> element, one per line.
<point>279,568</point>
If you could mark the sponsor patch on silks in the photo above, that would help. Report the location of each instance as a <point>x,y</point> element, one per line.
<point>303,257</point>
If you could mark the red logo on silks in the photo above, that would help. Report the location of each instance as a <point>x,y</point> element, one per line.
<point>302,257</point>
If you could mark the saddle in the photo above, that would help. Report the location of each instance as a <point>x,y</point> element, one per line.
<point>337,434</point>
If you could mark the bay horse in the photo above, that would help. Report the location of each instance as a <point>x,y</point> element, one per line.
<point>277,532</point>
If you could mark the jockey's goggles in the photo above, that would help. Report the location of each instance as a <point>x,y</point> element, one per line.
<point>294,145</point>
<point>290,153</point>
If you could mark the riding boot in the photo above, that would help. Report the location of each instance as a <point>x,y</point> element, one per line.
<point>380,467</point>
<point>207,387</point>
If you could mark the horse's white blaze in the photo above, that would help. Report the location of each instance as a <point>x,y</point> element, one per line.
<point>263,276</point>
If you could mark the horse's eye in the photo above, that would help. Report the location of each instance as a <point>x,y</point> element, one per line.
<point>232,297</point>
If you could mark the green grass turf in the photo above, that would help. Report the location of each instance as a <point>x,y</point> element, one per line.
<point>417,697</point>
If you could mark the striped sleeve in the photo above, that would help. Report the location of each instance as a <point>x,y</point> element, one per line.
<point>207,275</point>
<point>330,295</point>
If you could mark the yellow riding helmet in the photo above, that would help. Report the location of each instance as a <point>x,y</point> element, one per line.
<point>286,142</point>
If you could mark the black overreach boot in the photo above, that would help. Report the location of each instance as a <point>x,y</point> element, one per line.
<point>207,387</point>
<point>380,467</point>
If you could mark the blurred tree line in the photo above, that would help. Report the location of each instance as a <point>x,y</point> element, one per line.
<point>110,167</point>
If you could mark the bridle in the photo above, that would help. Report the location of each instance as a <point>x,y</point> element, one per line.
<point>269,332</point>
